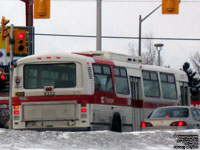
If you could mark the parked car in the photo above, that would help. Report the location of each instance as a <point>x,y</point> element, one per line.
<point>172,118</point>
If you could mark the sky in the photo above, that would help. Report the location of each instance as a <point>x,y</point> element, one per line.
<point>119,18</point>
<point>98,140</point>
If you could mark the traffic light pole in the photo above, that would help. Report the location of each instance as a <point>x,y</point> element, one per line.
<point>30,25</point>
<point>140,28</point>
<point>11,72</point>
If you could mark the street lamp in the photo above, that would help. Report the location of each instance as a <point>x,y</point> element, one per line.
<point>159,48</point>
<point>140,28</point>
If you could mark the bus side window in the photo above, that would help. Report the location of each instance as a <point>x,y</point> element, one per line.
<point>121,80</point>
<point>103,78</point>
<point>151,84</point>
<point>168,86</point>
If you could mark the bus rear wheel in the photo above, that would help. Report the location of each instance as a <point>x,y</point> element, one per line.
<point>116,126</point>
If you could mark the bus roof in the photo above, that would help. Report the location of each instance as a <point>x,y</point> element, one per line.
<point>90,56</point>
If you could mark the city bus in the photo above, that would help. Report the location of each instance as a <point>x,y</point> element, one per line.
<point>91,91</point>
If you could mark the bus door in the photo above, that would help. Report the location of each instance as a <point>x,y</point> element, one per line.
<point>136,103</point>
<point>184,94</point>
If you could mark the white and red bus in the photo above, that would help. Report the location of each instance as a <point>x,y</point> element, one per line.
<point>91,91</point>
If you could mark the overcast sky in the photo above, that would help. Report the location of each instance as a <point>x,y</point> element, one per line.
<point>119,18</point>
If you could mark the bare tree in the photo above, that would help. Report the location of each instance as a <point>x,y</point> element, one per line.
<point>149,51</point>
<point>195,60</point>
<point>131,48</point>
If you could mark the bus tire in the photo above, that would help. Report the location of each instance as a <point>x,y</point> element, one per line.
<point>116,124</point>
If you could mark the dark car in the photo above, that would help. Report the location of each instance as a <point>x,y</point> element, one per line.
<point>172,118</point>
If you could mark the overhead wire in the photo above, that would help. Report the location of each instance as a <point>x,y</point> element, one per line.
<point>118,37</point>
<point>134,1</point>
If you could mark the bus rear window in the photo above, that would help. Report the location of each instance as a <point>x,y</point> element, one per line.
<point>37,76</point>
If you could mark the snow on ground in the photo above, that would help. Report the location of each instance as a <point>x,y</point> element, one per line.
<point>98,140</point>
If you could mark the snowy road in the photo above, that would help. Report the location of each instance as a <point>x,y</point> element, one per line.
<point>102,140</point>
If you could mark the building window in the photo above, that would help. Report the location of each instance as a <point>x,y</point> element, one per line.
<point>121,80</point>
<point>168,86</point>
<point>151,84</point>
<point>103,78</point>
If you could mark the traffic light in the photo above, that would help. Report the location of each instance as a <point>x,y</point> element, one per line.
<point>20,42</point>
<point>2,79</point>
<point>42,9</point>
<point>170,6</point>
<point>17,50</point>
<point>4,29</point>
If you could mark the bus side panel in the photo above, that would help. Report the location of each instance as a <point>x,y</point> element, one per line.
<point>102,115</point>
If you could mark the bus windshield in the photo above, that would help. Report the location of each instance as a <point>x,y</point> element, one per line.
<point>37,76</point>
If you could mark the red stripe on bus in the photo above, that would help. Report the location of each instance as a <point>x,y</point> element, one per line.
<point>162,105</point>
<point>88,55</point>
<point>195,103</point>
<point>90,99</point>
<point>138,104</point>
<point>102,61</point>
<point>150,105</point>
<point>4,94</point>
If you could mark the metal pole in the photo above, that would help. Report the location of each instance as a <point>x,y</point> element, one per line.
<point>29,24</point>
<point>140,27</point>
<point>140,32</point>
<point>98,38</point>
<point>30,50</point>
<point>158,57</point>
<point>11,73</point>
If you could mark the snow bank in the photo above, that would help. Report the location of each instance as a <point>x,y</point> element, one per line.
<point>102,140</point>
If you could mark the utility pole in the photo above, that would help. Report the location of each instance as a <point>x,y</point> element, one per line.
<point>140,32</point>
<point>99,34</point>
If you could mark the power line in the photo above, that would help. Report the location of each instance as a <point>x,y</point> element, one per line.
<point>128,0</point>
<point>118,37</point>
<point>134,1</point>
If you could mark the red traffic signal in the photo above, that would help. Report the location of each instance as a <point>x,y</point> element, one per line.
<point>2,77</point>
<point>20,36</point>
<point>2,81</point>
<point>20,42</point>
